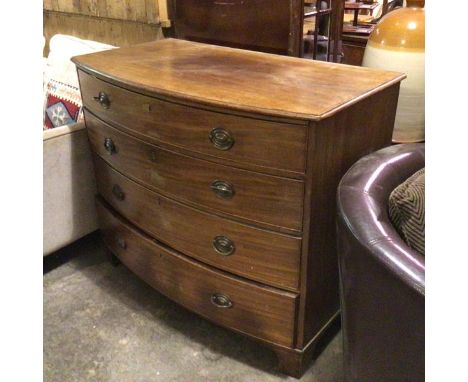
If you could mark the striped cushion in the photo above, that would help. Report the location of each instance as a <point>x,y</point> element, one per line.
<point>406,210</point>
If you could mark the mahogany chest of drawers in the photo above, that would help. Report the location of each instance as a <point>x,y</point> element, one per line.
<point>217,170</point>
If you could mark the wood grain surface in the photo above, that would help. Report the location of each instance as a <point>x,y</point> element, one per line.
<point>292,122</point>
<point>144,11</point>
<point>114,22</point>
<point>245,80</point>
<point>262,199</point>
<point>257,142</point>
<point>333,150</point>
<point>260,255</point>
<point>261,312</point>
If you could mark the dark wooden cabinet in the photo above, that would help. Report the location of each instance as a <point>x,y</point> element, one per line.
<point>353,47</point>
<point>217,171</point>
<point>272,26</point>
<point>263,25</point>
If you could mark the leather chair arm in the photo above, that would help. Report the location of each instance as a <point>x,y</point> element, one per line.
<point>362,199</point>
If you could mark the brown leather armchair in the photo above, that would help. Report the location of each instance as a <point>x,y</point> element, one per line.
<point>382,280</point>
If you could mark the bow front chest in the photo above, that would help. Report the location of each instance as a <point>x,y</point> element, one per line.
<point>217,170</point>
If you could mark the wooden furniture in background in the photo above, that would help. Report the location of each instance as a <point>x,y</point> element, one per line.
<point>112,22</point>
<point>356,7</point>
<point>318,40</point>
<point>263,25</point>
<point>217,171</point>
<point>164,13</point>
<point>354,36</point>
<point>353,47</point>
<point>325,18</point>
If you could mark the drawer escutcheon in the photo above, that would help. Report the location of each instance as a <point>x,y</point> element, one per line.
<point>109,146</point>
<point>122,243</point>
<point>118,193</point>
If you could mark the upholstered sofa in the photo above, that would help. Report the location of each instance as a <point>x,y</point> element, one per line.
<point>382,279</point>
<point>68,180</point>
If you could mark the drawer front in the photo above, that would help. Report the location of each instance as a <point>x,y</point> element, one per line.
<point>254,253</point>
<point>239,139</point>
<point>261,312</point>
<point>257,197</point>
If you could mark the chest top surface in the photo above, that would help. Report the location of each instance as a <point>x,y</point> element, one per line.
<point>237,79</point>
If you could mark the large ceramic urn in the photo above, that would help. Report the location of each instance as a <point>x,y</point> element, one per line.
<point>398,43</point>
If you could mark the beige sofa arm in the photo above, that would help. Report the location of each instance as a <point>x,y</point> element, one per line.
<point>68,187</point>
<point>62,130</point>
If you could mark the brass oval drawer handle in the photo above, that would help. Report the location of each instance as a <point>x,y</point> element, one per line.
<point>223,189</point>
<point>118,193</point>
<point>221,138</point>
<point>109,146</point>
<point>221,300</point>
<point>223,245</point>
<point>103,100</point>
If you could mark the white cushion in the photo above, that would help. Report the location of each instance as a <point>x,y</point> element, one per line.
<point>61,49</point>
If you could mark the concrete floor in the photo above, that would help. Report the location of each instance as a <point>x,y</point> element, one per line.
<point>101,323</point>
